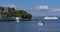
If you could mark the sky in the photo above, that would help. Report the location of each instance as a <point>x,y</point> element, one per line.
<point>35,7</point>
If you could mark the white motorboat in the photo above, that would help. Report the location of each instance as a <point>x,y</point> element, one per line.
<point>17,19</point>
<point>41,23</point>
<point>50,18</point>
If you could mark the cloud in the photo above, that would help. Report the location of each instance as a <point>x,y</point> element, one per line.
<point>42,7</point>
<point>46,8</point>
<point>31,8</point>
<point>11,6</point>
<point>55,9</point>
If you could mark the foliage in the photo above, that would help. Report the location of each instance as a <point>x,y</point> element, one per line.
<point>1,8</point>
<point>26,16</point>
<point>11,8</point>
<point>17,13</point>
<point>23,14</point>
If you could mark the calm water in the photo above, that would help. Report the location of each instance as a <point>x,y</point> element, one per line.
<point>30,26</point>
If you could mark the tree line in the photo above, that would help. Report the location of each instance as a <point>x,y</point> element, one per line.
<point>12,12</point>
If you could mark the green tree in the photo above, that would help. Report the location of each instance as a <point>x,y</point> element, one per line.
<point>12,11</point>
<point>8,14</point>
<point>23,14</point>
<point>17,13</point>
<point>1,8</point>
<point>26,16</point>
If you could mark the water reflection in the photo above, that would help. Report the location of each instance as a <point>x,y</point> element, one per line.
<point>29,26</point>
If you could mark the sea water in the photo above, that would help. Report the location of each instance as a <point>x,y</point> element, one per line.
<point>30,26</point>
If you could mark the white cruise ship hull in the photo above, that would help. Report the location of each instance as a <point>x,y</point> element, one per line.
<point>50,18</point>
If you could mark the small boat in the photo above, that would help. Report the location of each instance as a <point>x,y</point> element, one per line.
<point>48,18</point>
<point>41,23</point>
<point>17,19</point>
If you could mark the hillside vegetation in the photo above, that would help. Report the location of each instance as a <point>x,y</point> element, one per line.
<point>12,12</point>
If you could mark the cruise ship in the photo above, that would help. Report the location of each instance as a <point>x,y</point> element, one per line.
<point>52,18</point>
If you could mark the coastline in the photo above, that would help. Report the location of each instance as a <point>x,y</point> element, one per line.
<point>19,20</point>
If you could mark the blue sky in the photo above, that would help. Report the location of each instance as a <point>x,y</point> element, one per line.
<point>31,5</point>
